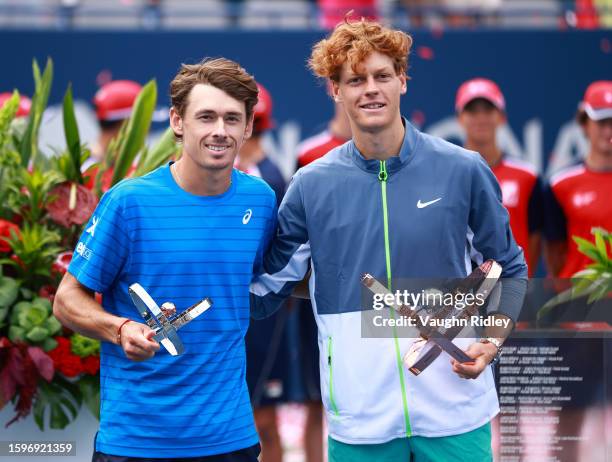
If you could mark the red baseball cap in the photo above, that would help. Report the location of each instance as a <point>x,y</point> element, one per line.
<point>597,102</point>
<point>263,110</point>
<point>114,100</point>
<point>24,103</point>
<point>479,88</point>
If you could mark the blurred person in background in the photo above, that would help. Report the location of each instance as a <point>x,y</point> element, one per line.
<point>453,13</point>
<point>337,132</point>
<point>113,103</point>
<point>579,197</point>
<point>468,13</point>
<point>331,12</point>
<point>267,344</point>
<point>593,14</point>
<point>481,111</point>
<point>577,200</point>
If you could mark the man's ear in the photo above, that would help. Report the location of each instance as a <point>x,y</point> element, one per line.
<point>334,91</point>
<point>404,81</point>
<point>248,131</point>
<point>176,122</point>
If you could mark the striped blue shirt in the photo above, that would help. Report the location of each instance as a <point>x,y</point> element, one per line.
<point>180,248</point>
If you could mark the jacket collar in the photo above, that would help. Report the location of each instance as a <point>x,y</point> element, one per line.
<point>395,163</point>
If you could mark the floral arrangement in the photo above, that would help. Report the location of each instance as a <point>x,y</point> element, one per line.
<point>45,368</point>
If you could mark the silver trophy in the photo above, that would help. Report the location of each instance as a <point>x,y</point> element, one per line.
<point>164,320</point>
<point>435,340</point>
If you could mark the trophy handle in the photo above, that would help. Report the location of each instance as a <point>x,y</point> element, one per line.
<point>165,332</point>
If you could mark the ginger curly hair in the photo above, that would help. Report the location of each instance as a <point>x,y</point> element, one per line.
<point>353,42</point>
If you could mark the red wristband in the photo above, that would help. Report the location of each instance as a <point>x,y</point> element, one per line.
<point>119,330</point>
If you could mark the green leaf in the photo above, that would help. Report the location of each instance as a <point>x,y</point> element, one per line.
<point>62,398</point>
<point>9,289</point>
<point>7,114</point>
<point>37,334</point>
<point>16,334</point>
<point>4,310</point>
<point>52,325</point>
<point>159,154</point>
<point>600,243</point>
<point>28,147</point>
<point>19,308</point>
<point>35,316</point>
<point>44,303</point>
<point>90,389</point>
<point>58,420</point>
<point>73,141</point>
<point>39,413</point>
<point>49,344</point>
<point>136,131</point>
<point>583,244</point>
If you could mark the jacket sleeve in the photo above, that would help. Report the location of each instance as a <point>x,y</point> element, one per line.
<point>491,238</point>
<point>288,258</point>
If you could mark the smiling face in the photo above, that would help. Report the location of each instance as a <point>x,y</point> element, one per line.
<point>213,127</point>
<point>371,93</point>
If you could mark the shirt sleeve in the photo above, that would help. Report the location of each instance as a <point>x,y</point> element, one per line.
<point>535,208</point>
<point>102,252</point>
<point>491,238</point>
<point>265,242</point>
<point>554,219</point>
<point>287,260</point>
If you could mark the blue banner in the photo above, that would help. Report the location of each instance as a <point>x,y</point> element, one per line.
<point>543,75</point>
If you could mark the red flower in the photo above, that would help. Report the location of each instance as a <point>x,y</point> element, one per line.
<point>5,231</point>
<point>71,366</point>
<point>61,263</point>
<point>48,292</point>
<point>73,204</point>
<point>19,261</point>
<point>64,360</point>
<point>91,365</point>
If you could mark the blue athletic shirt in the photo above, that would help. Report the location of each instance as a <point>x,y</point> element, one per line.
<point>181,248</point>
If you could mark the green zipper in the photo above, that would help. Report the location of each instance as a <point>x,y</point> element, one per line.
<point>331,386</point>
<point>382,177</point>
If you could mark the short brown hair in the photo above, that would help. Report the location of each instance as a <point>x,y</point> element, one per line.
<point>581,117</point>
<point>353,42</point>
<point>224,74</point>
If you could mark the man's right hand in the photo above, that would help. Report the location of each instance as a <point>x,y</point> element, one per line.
<point>137,341</point>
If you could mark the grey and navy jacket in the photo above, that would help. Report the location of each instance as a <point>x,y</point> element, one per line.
<point>343,216</point>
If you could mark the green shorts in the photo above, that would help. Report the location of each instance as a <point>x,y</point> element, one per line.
<point>474,446</point>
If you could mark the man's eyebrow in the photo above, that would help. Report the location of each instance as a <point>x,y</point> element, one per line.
<point>211,111</point>
<point>351,73</point>
<point>204,111</point>
<point>383,69</point>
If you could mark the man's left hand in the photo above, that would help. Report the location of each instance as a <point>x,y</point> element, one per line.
<point>483,354</point>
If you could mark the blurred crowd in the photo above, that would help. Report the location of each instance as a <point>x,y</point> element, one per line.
<point>154,14</point>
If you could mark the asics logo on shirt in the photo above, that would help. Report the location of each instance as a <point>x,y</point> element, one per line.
<point>92,229</point>
<point>247,216</point>
<point>422,205</point>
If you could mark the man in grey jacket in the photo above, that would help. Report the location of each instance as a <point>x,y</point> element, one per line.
<point>398,204</point>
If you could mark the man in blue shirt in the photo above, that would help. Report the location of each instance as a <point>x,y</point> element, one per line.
<point>194,228</point>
